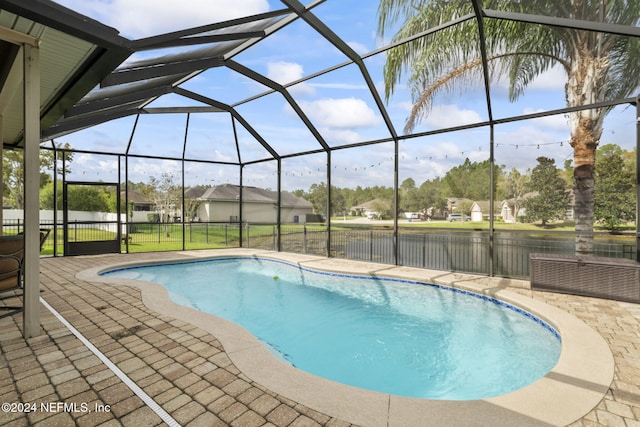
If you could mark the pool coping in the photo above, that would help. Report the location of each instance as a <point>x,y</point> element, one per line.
<point>574,386</point>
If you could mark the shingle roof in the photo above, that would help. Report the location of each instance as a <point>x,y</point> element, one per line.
<point>230,192</point>
<point>135,197</point>
<point>195,192</point>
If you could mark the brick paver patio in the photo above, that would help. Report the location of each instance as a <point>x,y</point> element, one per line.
<point>186,371</point>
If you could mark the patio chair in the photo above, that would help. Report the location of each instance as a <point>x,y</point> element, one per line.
<point>44,233</point>
<point>11,262</point>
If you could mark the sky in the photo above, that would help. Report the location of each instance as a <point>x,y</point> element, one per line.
<point>338,104</point>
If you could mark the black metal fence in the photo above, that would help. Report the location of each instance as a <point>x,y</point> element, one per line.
<point>11,226</point>
<point>172,236</point>
<point>442,249</point>
<point>467,251</point>
<point>136,237</point>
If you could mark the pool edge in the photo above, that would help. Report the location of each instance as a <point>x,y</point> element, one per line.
<point>573,387</point>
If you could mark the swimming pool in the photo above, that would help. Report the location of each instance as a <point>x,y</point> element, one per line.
<point>386,335</point>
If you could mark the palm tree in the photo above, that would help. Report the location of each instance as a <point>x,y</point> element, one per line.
<point>599,66</point>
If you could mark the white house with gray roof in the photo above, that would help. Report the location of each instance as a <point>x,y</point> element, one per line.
<point>222,203</point>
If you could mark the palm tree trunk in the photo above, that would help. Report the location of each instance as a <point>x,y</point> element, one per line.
<point>584,144</point>
<point>585,86</point>
<point>583,189</point>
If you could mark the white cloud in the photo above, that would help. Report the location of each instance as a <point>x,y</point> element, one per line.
<point>341,136</point>
<point>443,116</point>
<point>556,122</point>
<point>520,145</point>
<point>208,154</point>
<point>145,170</point>
<point>405,105</point>
<point>526,135</point>
<point>104,165</point>
<point>286,72</point>
<point>358,47</point>
<point>143,18</point>
<point>554,79</point>
<point>442,151</point>
<point>341,86</point>
<point>343,113</point>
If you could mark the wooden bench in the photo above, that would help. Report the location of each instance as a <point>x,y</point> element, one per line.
<point>611,278</point>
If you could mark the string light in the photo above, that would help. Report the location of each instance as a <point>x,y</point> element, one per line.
<point>307,171</point>
<point>535,144</point>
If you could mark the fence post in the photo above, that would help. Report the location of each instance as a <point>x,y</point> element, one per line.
<point>424,250</point>
<point>304,239</point>
<point>273,238</point>
<point>370,245</point>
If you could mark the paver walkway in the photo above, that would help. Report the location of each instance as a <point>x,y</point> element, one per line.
<point>186,371</point>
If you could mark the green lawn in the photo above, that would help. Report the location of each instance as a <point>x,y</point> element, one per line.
<point>484,225</point>
<point>473,225</point>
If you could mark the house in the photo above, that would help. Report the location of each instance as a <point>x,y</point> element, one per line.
<point>373,209</point>
<point>509,210</point>
<point>569,214</point>
<point>457,204</point>
<point>192,202</point>
<point>480,210</point>
<point>221,203</point>
<point>139,206</point>
<point>512,209</point>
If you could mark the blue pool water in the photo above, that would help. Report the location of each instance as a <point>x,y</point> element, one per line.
<point>392,336</point>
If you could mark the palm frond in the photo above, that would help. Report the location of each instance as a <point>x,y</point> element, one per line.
<point>622,79</point>
<point>422,104</point>
<point>449,58</point>
<point>416,19</point>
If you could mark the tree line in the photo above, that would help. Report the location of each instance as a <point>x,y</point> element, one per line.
<point>543,192</point>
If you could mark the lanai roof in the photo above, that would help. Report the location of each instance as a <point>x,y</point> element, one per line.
<point>76,53</point>
<point>101,76</point>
